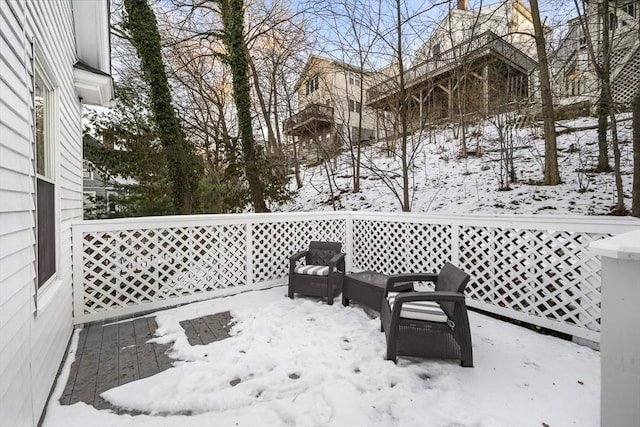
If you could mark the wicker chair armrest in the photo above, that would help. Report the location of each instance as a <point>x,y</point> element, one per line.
<point>295,257</point>
<point>336,262</point>
<point>439,296</point>
<point>409,277</point>
<point>293,260</point>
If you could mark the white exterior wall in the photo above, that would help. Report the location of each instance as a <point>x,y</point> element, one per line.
<point>35,329</point>
<point>342,92</point>
<point>510,20</point>
<point>335,91</point>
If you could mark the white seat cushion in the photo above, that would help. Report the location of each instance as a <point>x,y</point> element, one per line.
<point>419,310</point>
<point>312,270</point>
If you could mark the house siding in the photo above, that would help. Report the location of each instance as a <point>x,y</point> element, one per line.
<point>34,332</point>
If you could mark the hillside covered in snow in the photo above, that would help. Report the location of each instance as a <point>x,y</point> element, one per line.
<point>442,182</point>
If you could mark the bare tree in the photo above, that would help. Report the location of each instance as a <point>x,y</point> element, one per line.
<point>635,207</point>
<point>551,172</point>
<point>603,71</point>
<point>601,60</point>
<point>353,34</point>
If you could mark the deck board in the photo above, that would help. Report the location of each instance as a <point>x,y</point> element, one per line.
<point>111,355</point>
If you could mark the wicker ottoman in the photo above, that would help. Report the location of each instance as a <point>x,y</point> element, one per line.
<point>367,288</point>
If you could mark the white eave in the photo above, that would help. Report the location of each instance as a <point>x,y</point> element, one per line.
<point>92,71</point>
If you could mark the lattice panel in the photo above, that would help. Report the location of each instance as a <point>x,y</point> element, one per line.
<point>543,274</point>
<point>274,242</point>
<point>130,267</point>
<point>627,81</point>
<point>428,247</point>
<point>395,247</point>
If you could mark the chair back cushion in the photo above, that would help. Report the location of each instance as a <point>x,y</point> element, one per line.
<point>320,253</point>
<point>451,279</point>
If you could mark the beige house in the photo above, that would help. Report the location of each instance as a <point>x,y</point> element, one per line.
<point>575,80</point>
<point>476,61</point>
<point>331,114</point>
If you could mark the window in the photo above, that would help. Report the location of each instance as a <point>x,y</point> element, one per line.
<point>573,82</point>
<point>354,106</point>
<point>43,118</point>
<point>435,50</point>
<point>630,9</point>
<point>582,41</point>
<point>354,79</point>
<point>112,201</point>
<point>312,85</point>
<point>613,21</point>
<point>87,170</point>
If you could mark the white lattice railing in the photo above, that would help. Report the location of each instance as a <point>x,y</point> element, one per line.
<point>531,268</point>
<point>126,266</point>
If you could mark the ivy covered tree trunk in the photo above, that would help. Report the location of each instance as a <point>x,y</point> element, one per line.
<point>233,37</point>
<point>140,22</point>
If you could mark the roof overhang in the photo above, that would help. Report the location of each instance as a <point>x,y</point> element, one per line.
<point>92,72</point>
<point>92,86</point>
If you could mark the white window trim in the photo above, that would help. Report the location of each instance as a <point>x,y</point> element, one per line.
<point>42,69</point>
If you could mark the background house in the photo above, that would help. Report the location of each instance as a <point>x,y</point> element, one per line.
<point>101,195</point>
<point>54,56</point>
<point>329,109</point>
<point>476,61</point>
<point>575,80</point>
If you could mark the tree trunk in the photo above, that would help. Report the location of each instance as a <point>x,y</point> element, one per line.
<point>635,191</point>
<point>141,22</point>
<point>404,113</point>
<point>551,172</point>
<point>605,100</point>
<point>263,105</point>
<point>236,56</point>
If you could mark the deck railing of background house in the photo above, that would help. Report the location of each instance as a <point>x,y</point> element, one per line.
<point>530,268</point>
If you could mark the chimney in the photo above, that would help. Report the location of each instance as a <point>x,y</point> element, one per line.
<point>463,4</point>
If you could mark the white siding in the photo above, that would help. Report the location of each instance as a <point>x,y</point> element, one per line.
<point>32,343</point>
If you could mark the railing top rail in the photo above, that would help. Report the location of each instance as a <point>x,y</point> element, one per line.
<point>542,222</point>
<point>547,222</point>
<point>200,220</point>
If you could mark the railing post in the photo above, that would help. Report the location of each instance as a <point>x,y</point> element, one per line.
<point>455,244</point>
<point>348,237</point>
<point>619,337</point>
<point>78,277</point>
<point>249,249</point>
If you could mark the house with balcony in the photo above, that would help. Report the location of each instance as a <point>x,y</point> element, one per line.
<point>331,114</point>
<point>477,61</point>
<point>54,57</point>
<point>575,78</point>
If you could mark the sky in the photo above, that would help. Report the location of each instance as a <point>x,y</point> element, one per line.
<point>302,362</point>
<point>333,33</point>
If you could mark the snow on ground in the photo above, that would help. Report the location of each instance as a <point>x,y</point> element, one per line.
<point>304,363</point>
<point>444,183</point>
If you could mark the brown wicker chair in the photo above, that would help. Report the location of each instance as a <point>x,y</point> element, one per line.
<point>428,324</point>
<point>322,273</point>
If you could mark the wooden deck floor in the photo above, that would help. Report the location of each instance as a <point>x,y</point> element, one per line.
<point>116,354</point>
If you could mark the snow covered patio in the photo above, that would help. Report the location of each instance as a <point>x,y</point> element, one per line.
<point>301,362</point>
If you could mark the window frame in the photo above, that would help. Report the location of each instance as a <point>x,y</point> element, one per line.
<point>355,106</point>
<point>47,176</point>
<point>311,85</point>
